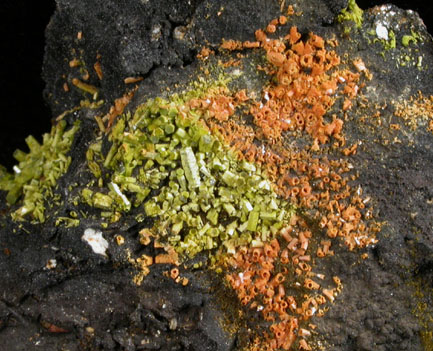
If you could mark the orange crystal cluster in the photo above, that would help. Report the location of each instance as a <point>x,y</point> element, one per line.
<point>277,280</point>
<point>308,177</point>
<point>304,90</point>
<point>306,82</point>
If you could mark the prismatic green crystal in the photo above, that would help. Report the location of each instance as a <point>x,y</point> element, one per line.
<point>189,165</point>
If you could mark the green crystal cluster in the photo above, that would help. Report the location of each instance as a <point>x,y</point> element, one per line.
<point>37,171</point>
<point>414,38</point>
<point>164,160</point>
<point>352,13</point>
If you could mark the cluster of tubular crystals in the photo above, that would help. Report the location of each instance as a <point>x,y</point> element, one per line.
<point>305,88</point>
<point>297,103</point>
<point>276,279</point>
<point>304,91</point>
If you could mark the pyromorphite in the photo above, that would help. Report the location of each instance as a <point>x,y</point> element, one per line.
<point>189,165</point>
<point>198,184</point>
<point>37,171</point>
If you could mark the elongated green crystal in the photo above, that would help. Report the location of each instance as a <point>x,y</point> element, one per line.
<point>189,165</point>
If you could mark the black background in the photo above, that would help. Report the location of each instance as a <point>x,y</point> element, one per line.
<point>22,108</point>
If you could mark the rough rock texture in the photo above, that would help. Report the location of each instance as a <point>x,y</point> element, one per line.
<point>90,303</point>
<point>145,37</point>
